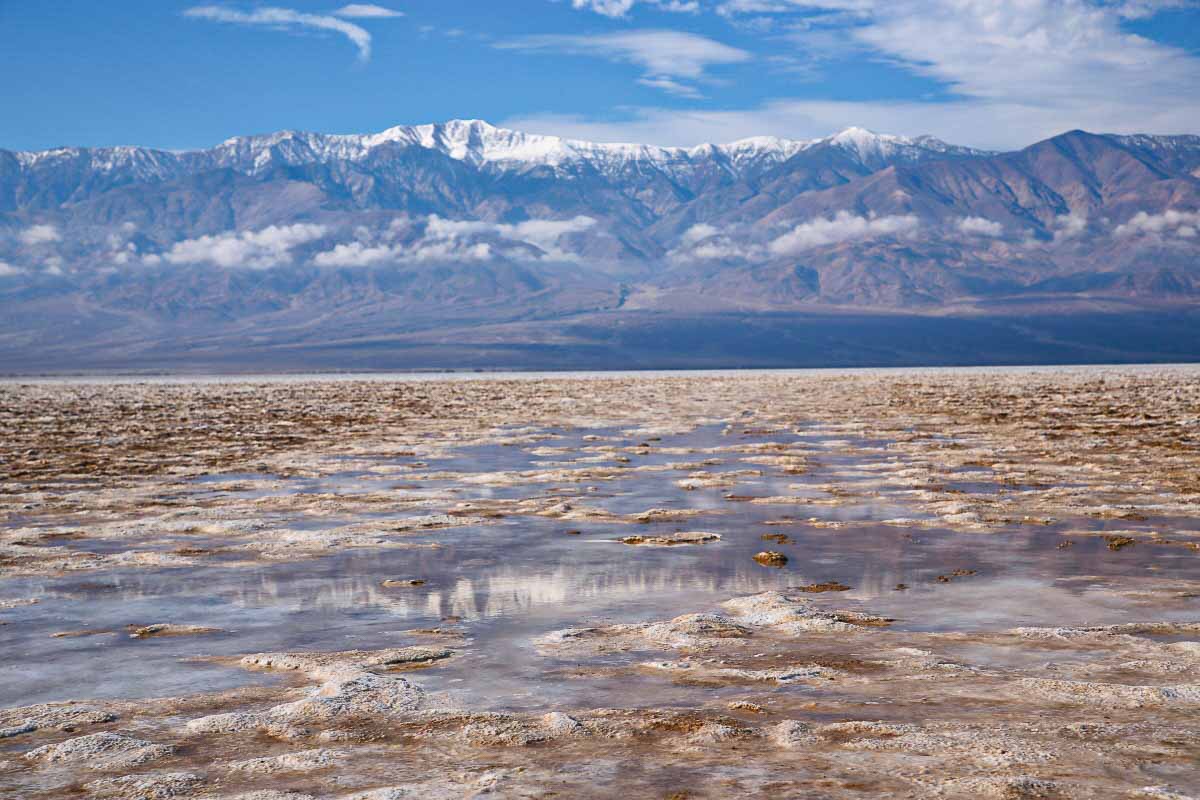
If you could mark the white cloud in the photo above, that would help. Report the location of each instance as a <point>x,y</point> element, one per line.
<point>620,8</point>
<point>718,248</point>
<point>261,249</point>
<point>1139,9</point>
<point>704,242</point>
<point>993,126</point>
<point>609,8</point>
<point>1050,64</point>
<point>358,254</point>
<point>978,226</point>
<point>451,250</point>
<point>725,249</point>
<point>1183,222</point>
<point>843,227</point>
<point>367,11</point>
<point>541,233</point>
<point>124,254</point>
<point>8,270</point>
<point>698,233</point>
<point>1011,73</point>
<point>671,86</point>
<point>1069,226</point>
<point>667,57</point>
<point>121,250</point>
<point>287,18</point>
<point>545,233</point>
<point>39,234</point>
<point>733,8</point>
<point>458,240</point>
<point>530,230</point>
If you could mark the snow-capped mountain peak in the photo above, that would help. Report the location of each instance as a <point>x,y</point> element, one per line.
<point>488,148</point>
<point>874,149</point>
<point>479,142</point>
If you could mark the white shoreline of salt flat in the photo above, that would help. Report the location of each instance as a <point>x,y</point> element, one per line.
<point>497,375</point>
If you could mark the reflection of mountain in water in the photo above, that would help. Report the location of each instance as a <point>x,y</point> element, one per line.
<point>512,590</point>
<point>544,576</point>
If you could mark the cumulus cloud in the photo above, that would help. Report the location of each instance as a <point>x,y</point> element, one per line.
<point>704,242</point>
<point>667,57</point>
<point>843,227</point>
<point>444,239</point>
<point>276,18</point>
<point>39,234</point>
<point>361,254</point>
<point>121,251</point>
<point>355,254</point>
<point>1070,226</point>
<point>726,250</point>
<point>8,270</point>
<point>1182,223</point>
<point>542,233</point>
<point>719,248</point>
<point>367,11</point>
<point>125,255</point>
<point>262,249</point>
<point>979,226</point>
<point>698,233</point>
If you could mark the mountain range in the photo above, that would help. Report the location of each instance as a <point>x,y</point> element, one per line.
<point>466,245</point>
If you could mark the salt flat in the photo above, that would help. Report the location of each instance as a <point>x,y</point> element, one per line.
<point>984,583</point>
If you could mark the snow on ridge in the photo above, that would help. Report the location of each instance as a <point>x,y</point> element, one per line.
<point>871,146</point>
<point>144,161</point>
<point>479,143</point>
<point>475,141</point>
<point>1157,140</point>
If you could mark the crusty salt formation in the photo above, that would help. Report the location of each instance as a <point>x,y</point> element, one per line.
<point>988,585</point>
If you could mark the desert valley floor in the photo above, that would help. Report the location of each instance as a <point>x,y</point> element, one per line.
<point>868,584</point>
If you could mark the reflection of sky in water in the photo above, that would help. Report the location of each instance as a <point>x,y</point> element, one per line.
<point>522,577</point>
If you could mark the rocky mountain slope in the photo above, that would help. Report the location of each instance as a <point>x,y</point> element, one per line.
<point>299,240</point>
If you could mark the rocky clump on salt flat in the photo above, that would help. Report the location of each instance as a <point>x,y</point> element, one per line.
<point>683,537</point>
<point>771,558</point>
<point>168,629</point>
<point>158,786</point>
<point>105,750</point>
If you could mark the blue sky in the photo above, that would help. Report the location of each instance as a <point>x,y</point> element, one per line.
<point>988,73</point>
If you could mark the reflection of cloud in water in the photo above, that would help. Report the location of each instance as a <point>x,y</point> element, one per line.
<point>511,590</point>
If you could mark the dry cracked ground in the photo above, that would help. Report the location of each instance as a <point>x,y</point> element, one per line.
<point>960,584</point>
